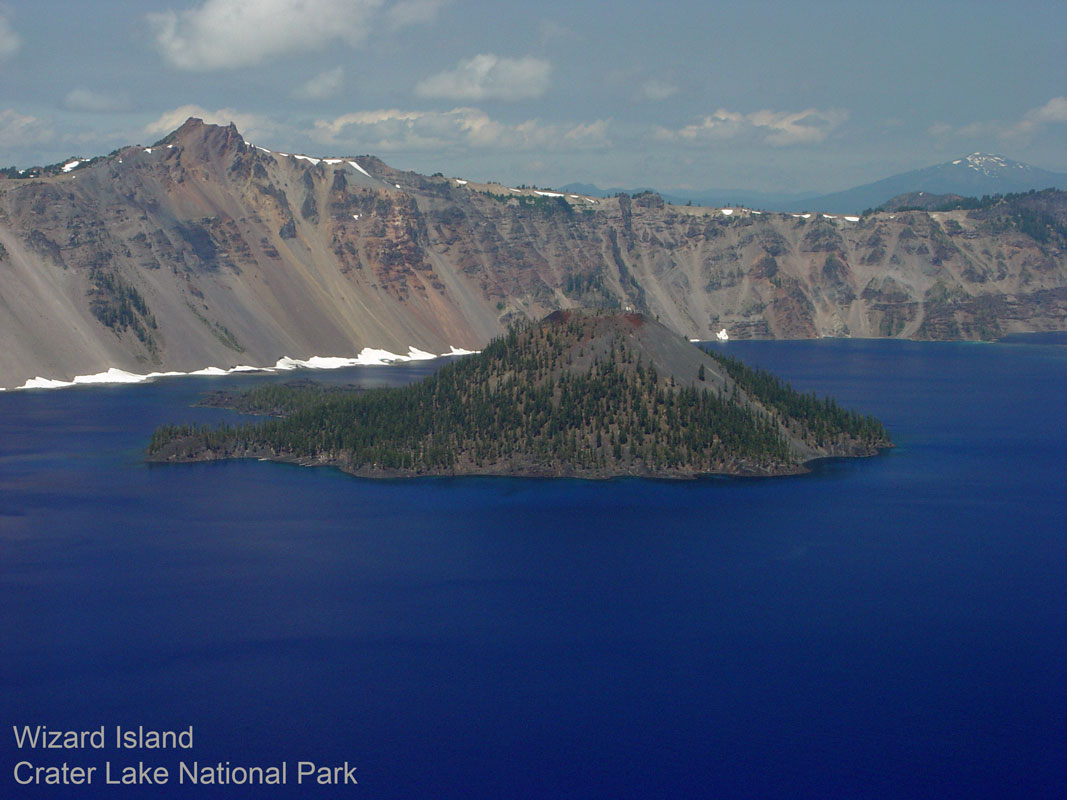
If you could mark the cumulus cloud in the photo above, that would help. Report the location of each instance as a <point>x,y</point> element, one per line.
<point>460,128</point>
<point>81,99</point>
<point>1033,122</point>
<point>325,84</point>
<point>9,40</point>
<point>656,90</point>
<point>413,12</point>
<point>489,77</point>
<point>251,126</point>
<point>1053,112</point>
<point>776,128</point>
<point>225,34</point>
<point>20,130</point>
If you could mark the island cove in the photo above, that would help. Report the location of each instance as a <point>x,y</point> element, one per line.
<point>581,394</point>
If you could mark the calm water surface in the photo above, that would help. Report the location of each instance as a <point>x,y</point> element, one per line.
<point>891,627</point>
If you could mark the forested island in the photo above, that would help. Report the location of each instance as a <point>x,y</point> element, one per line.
<point>580,394</point>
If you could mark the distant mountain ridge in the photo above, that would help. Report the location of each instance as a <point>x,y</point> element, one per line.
<point>205,251</point>
<point>702,197</point>
<point>973,175</point>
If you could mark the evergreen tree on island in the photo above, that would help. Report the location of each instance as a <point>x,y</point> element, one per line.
<point>580,394</point>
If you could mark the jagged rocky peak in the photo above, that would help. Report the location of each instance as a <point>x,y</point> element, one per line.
<point>205,140</point>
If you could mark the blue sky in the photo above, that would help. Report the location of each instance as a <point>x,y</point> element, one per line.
<point>812,96</point>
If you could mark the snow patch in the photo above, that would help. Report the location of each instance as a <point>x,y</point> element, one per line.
<point>44,383</point>
<point>415,354</point>
<point>986,164</point>
<point>332,161</point>
<point>852,219</point>
<point>461,182</point>
<point>722,335</point>
<point>309,158</point>
<point>369,356</point>
<point>727,212</point>
<point>548,194</point>
<point>355,165</point>
<point>71,165</point>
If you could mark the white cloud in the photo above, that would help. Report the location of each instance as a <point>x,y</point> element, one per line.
<point>252,126</point>
<point>81,99</point>
<point>9,40</point>
<point>413,12</point>
<point>1034,120</point>
<point>489,77</point>
<point>224,34</point>
<point>460,128</point>
<point>656,90</point>
<point>776,128</point>
<point>1055,110</point>
<point>325,84</point>
<point>20,130</point>
<point>1031,123</point>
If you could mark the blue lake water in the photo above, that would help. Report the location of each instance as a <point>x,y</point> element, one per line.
<point>890,627</point>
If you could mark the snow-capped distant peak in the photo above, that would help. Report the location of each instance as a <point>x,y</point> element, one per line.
<point>988,164</point>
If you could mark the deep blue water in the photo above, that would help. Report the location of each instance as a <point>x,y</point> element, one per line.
<point>892,627</point>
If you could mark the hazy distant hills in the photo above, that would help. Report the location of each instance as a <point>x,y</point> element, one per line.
<point>705,197</point>
<point>204,250</point>
<point>969,176</point>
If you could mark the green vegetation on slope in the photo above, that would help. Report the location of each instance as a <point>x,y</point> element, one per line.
<point>543,400</point>
<point>823,420</point>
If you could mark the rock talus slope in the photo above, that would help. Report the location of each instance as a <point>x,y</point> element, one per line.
<point>206,250</point>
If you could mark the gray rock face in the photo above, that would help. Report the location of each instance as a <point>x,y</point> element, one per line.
<point>204,250</point>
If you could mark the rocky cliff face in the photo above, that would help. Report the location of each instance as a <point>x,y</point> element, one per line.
<point>205,250</point>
